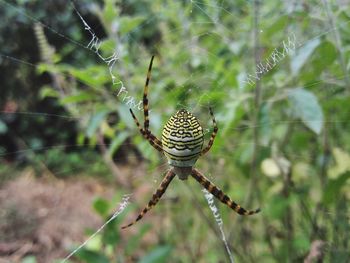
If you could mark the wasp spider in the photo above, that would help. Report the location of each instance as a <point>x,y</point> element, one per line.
<point>182,144</point>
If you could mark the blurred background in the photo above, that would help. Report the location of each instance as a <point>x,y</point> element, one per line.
<point>276,74</point>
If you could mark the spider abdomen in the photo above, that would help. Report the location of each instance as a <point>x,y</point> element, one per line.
<point>182,139</point>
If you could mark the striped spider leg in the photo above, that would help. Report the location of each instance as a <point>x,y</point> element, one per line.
<point>215,191</point>
<point>182,144</point>
<point>213,135</point>
<point>156,196</point>
<point>147,134</point>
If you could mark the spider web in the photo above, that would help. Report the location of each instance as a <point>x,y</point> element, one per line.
<point>210,10</point>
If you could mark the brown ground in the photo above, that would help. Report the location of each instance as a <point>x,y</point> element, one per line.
<point>46,217</point>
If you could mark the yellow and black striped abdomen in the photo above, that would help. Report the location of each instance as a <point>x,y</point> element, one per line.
<point>182,139</point>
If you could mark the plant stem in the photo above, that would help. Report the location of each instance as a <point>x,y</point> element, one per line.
<point>288,219</point>
<point>109,161</point>
<point>338,43</point>
<point>257,102</point>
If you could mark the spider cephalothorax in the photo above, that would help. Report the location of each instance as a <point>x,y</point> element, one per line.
<point>182,144</point>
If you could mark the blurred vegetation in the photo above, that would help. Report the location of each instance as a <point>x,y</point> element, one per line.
<point>103,248</point>
<point>282,144</point>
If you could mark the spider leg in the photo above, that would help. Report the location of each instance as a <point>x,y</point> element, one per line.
<point>145,99</point>
<point>215,191</point>
<point>153,140</point>
<point>156,196</point>
<point>147,132</point>
<point>215,131</point>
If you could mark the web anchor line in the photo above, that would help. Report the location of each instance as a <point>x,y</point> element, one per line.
<point>122,206</point>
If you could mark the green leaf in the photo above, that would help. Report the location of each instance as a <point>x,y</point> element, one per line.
<point>264,123</point>
<point>95,122</point>
<point>80,97</point>
<point>158,255</point>
<point>333,188</point>
<point>42,67</point>
<point>306,107</point>
<point>303,55</point>
<point>117,141</point>
<point>134,241</point>
<point>230,115</point>
<point>128,24</point>
<point>233,112</point>
<point>101,206</point>
<point>325,54</point>
<point>3,127</point>
<point>275,27</point>
<point>341,164</point>
<point>89,256</point>
<point>105,47</point>
<point>125,116</point>
<point>277,207</point>
<point>301,242</point>
<point>110,11</point>
<point>47,91</point>
<point>93,76</point>
<point>111,235</point>
<point>29,259</point>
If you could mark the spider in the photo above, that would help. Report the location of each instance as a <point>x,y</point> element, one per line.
<point>182,144</point>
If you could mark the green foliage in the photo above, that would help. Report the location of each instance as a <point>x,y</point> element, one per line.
<point>3,127</point>
<point>64,164</point>
<point>21,84</point>
<point>333,188</point>
<point>158,255</point>
<point>92,256</point>
<point>283,140</point>
<point>303,55</point>
<point>101,247</point>
<point>29,259</point>
<point>306,107</point>
<point>295,95</point>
